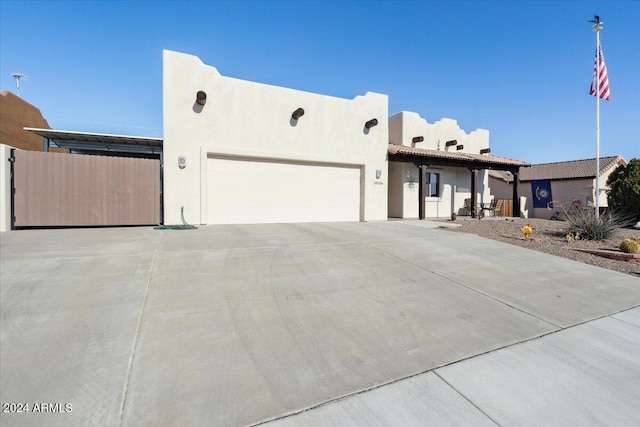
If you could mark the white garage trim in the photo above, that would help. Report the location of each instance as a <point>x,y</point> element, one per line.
<point>271,190</point>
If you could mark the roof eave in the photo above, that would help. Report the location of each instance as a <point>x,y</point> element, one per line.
<point>398,153</point>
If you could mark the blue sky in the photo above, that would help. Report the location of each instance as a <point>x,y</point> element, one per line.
<point>520,69</point>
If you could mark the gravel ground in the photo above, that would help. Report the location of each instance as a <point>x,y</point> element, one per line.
<point>549,237</point>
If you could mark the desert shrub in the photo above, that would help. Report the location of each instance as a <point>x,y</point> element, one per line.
<point>584,225</point>
<point>624,193</point>
<point>630,246</point>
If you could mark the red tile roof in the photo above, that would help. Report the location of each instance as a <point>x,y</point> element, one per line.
<point>463,157</point>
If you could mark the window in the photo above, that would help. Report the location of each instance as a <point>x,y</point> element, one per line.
<point>433,184</point>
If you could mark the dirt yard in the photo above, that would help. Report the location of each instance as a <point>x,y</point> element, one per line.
<point>549,237</point>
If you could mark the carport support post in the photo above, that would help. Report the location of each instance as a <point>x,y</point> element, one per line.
<point>474,192</point>
<point>422,190</point>
<point>516,199</point>
<point>46,144</point>
<point>161,187</point>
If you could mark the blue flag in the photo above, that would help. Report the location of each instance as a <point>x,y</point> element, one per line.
<point>541,190</point>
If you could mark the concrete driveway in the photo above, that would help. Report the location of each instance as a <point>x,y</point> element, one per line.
<point>238,325</point>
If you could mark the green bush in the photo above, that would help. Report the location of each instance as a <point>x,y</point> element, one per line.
<point>624,195</point>
<point>584,225</point>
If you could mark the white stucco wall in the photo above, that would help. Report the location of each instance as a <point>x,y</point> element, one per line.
<point>252,121</point>
<point>405,125</point>
<point>5,188</point>
<point>455,183</point>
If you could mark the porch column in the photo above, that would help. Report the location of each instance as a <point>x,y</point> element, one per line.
<point>422,190</point>
<point>516,200</point>
<point>474,192</point>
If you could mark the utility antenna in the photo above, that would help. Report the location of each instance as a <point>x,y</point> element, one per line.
<point>19,76</point>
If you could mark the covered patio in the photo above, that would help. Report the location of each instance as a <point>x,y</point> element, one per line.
<point>423,158</point>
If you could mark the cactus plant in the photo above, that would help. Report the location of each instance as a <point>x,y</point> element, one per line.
<point>630,246</point>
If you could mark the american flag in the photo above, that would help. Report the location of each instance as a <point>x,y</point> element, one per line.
<point>603,79</point>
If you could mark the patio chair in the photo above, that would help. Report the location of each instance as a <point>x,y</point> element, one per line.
<point>467,207</point>
<point>497,207</point>
<point>487,208</point>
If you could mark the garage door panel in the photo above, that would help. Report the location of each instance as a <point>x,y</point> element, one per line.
<point>242,191</point>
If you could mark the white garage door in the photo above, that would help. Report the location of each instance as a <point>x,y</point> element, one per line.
<point>247,191</point>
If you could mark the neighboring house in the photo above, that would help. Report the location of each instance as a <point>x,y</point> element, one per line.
<point>16,114</point>
<point>549,186</point>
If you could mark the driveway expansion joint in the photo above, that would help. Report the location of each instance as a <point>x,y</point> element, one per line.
<point>465,398</point>
<point>136,338</point>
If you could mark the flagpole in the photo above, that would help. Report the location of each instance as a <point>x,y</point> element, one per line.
<point>597,28</point>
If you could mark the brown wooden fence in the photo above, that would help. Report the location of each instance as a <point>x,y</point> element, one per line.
<point>507,207</point>
<point>57,189</point>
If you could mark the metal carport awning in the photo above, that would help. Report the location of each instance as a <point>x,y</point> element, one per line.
<point>422,158</point>
<point>99,143</point>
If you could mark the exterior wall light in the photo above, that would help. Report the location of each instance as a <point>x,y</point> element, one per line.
<point>371,123</point>
<point>201,98</point>
<point>297,114</point>
<point>485,151</point>
<point>459,147</point>
<point>417,139</point>
<point>450,143</point>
